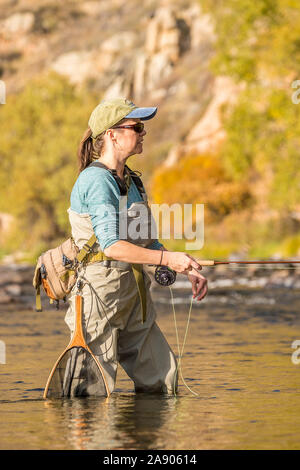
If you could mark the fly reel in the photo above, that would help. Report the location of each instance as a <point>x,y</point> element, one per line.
<point>164,275</point>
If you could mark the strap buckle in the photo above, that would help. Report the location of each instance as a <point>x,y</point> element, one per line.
<point>87,248</point>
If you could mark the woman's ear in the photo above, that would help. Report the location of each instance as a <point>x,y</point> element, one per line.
<point>111,135</point>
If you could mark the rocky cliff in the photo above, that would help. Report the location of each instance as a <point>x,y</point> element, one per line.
<point>153,52</point>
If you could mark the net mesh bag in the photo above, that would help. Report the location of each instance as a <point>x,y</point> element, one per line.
<point>76,375</point>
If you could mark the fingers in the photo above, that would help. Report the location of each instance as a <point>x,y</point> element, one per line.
<point>182,262</point>
<point>199,288</point>
<point>196,273</point>
<point>202,293</point>
<point>192,268</point>
<point>194,264</point>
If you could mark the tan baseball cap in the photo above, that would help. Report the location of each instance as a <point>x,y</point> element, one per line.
<point>110,112</point>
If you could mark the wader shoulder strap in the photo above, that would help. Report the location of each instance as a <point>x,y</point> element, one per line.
<point>87,247</point>
<point>122,185</point>
<point>137,180</point>
<point>139,279</point>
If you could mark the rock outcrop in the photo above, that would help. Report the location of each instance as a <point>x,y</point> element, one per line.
<point>18,23</point>
<point>124,66</point>
<point>208,133</point>
<point>97,42</point>
<point>155,52</point>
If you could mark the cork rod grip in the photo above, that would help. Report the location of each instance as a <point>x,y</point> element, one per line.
<point>206,262</point>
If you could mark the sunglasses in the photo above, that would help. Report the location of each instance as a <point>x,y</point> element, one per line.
<point>138,127</point>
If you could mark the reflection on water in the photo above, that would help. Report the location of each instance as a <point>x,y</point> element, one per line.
<point>237,359</point>
<point>119,422</point>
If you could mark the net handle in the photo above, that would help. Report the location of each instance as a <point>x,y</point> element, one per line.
<point>77,340</point>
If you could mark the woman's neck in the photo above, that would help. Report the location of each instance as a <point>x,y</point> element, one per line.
<point>113,164</point>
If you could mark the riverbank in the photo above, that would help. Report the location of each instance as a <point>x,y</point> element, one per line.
<point>17,292</point>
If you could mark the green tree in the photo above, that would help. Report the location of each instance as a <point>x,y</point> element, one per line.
<point>40,131</point>
<point>258,44</point>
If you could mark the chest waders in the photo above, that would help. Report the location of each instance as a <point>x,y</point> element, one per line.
<point>78,371</point>
<point>111,297</point>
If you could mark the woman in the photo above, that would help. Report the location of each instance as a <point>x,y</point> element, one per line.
<point>118,315</point>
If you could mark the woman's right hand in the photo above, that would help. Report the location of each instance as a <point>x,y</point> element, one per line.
<point>180,262</point>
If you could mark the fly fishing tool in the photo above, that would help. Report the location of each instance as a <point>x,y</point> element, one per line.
<point>77,372</point>
<point>166,276</point>
<point>211,262</point>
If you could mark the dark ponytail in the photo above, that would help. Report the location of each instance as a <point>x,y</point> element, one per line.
<point>89,149</point>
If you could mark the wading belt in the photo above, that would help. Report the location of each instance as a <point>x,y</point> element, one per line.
<point>137,271</point>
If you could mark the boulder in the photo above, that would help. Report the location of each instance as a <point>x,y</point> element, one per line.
<point>152,35</point>
<point>207,134</point>
<point>119,87</point>
<point>119,42</point>
<point>159,68</point>
<point>200,24</point>
<point>14,290</point>
<point>112,48</point>
<point>18,23</point>
<point>76,65</point>
<point>169,43</point>
<point>139,76</point>
<point>202,29</point>
<point>4,298</point>
<point>94,8</point>
<point>166,17</point>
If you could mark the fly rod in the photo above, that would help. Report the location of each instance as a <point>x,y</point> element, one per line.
<point>210,262</point>
<point>166,276</point>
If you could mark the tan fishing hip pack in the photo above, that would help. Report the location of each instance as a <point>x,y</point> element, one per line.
<point>56,270</point>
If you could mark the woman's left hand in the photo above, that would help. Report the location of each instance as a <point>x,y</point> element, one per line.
<point>199,284</point>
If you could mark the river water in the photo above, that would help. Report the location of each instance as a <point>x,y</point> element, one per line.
<point>244,388</point>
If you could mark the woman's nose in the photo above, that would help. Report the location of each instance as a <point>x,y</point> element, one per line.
<point>143,132</point>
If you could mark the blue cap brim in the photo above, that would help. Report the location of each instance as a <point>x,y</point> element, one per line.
<point>142,113</point>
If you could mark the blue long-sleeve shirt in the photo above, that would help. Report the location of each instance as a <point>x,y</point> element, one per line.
<point>97,193</point>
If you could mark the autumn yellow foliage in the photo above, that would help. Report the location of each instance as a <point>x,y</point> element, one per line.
<point>201,179</point>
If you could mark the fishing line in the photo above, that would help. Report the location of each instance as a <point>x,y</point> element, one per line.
<point>180,353</point>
